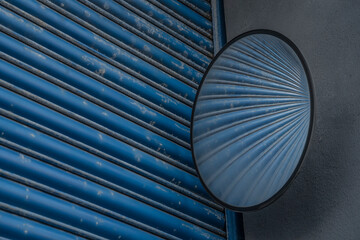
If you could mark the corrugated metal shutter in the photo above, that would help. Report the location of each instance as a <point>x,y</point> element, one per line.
<point>95,104</point>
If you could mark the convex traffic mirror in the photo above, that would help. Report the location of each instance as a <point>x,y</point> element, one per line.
<point>252,120</point>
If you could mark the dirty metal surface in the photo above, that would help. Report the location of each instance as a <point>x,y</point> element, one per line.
<point>95,108</point>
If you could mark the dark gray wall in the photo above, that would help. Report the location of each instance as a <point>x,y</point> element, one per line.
<point>324,200</point>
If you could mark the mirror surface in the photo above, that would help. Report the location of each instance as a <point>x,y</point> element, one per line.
<point>251,120</point>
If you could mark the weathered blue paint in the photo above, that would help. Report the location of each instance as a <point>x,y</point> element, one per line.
<point>54,208</point>
<point>202,7</point>
<point>95,107</point>
<point>95,140</point>
<point>125,79</point>
<point>16,227</point>
<point>78,83</point>
<point>252,120</point>
<point>185,14</point>
<point>126,51</point>
<point>157,36</point>
<point>166,21</point>
<point>88,194</point>
<point>130,132</point>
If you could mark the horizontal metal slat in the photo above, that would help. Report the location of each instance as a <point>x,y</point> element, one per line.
<point>79,82</point>
<point>48,206</point>
<point>112,32</point>
<point>87,148</point>
<point>152,34</point>
<point>164,21</point>
<point>95,65</point>
<point>124,45</point>
<point>60,196</point>
<point>108,109</point>
<point>95,197</point>
<point>17,227</point>
<point>49,146</point>
<point>21,155</point>
<point>94,116</point>
<point>164,192</point>
<point>200,6</point>
<point>150,75</point>
<point>41,219</point>
<point>174,183</point>
<point>165,188</point>
<point>149,192</point>
<point>186,15</point>
<point>79,134</point>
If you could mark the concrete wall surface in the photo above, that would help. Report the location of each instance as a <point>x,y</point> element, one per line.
<point>323,202</point>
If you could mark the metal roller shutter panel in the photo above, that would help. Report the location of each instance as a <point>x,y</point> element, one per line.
<point>95,107</point>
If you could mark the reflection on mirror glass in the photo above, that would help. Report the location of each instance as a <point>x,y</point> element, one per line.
<point>251,121</point>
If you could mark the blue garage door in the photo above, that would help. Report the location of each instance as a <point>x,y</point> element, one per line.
<point>95,106</point>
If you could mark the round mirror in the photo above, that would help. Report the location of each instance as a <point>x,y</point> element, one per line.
<point>252,120</point>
